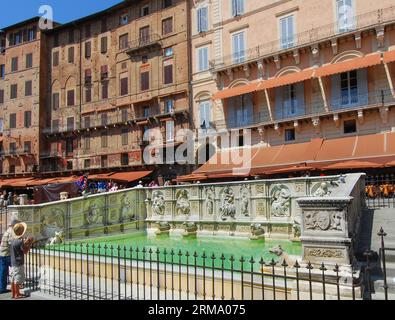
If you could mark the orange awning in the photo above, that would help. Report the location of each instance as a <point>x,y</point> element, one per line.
<point>290,169</point>
<point>237,91</point>
<point>389,56</point>
<point>100,176</point>
<point>287,79</point>
<point>353,64</point>
<point>191,177</point>
<point>352,164</point>
<point>16,183</point>
<point>129,176</point>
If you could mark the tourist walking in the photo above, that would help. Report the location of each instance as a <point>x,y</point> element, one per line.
<point>19,247</point>
<point>5,256</point>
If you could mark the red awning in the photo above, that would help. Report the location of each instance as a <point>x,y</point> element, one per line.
<point>352,164</point>
<point>237,91</point>
<point>389,56</point>
<point>287,79</point>
<point>290,169</point>
<point>100,176</point>
<point>16,183</point>
<point>129,176</point>
<point>353,64</point>
<point>191,177</point>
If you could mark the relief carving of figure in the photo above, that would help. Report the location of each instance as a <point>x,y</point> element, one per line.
<point>336,222</point>
<point>52,222</point>
<point>325,188</point>
<point>281,201</point>
<point>94,215</point>
<point>244,202</point>
<point>323,221</point>
<point>183,207</point>
<point>228,208</point>
<point>126,211</point>
<point>210,200</point>
<point>158,203</point>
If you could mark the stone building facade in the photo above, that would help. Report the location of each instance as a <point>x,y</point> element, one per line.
<point>114,75</point>
<point>22,80</point>
<point>237,45</point>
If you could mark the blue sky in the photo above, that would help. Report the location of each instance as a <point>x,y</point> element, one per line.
<point>14,11</point>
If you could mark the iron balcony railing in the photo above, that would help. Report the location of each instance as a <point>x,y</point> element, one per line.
<point>380,17</point>
<point>145,41</point>
<point>373,99</point>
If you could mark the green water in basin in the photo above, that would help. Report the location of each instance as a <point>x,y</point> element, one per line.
<point>208,249</point>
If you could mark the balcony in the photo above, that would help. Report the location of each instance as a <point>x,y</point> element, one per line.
<point>53,155</point>
<point>144,44</point>
<point>356,103</point>
<point>375,19</point>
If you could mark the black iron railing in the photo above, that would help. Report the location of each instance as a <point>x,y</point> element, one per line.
<point>380,191</point>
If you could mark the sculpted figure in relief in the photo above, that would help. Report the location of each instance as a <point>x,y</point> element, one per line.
<point>228,208</point>
<point>183,206</point>
<point>126,209</point>
<point>210,200</point>
<point>158,203</point>
<point>94,214</point>
<point>280,201</point>
<point>244,201</point>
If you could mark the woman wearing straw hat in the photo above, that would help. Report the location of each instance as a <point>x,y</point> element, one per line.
<point>19,247</point>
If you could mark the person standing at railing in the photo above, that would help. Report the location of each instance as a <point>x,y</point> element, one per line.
<point>5,256</point>
<point>19,247</point>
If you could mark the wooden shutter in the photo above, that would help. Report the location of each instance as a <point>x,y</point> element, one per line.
<point>1,96</point>
<point>71,55</point>
<point>300,106</point>
<point>88,46</point>
<point>70,98</point>
<point>168,72</point>
<point>144,80</point>
<point>124,86</point>
<point>279,103</point>
<point>104,45</point>
<point>362,83</point>
<point>335,91</point>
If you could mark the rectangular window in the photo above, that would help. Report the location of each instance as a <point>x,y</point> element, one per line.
<point>104,140</point>
<point>12,168</point>
<point>104,91</point>
<point>12,120</point>
<point>71,36</point>
<point>27,119</point>
<point>28,88</point>
<point>31,34</point>
<point>289,135</point>
<point>349,88</point>
<point>237,7</point>
<point>69,165</point>
<point>169,130</point>
<point>29,60</point>
<point>14,64</point>
<point>2,71</point>
<point>124,115</point>
<point>87,142</point>
<point>203,59</point>
<point>169,106</point>
<point>55,125</point>
<point>1,96</point>
<point>71,55</point>
<point>55,100</point>
<point>124,86</point>
<point>345,15</point>
<point>55,58</point>
<point>144,11</point>
<point>144,35</point>
<point>124,135</point>
<point>146,112</point>
<point>144,81</point>
<point>104,161</point>
<point>350,126</point>
<point>14,91</point>
<point>18,38</point>
<point>104,72</point>
<point>88,49</point>
<point>88,95</point>
<point>87,163</point>
<point>27,147</point>
<point>87,122</point>
<point>104,119</point>
<point>103,45</point>
<point>202,19</point>
<point>290,100</point>
<point>167,3</point>
<point>238,41</point>
<point>88,76</point>
<point>69,149</point>
<point>70,98</point>
<point>168,74</point>
<point>168,52</point>
<point>70,123</point>
<point>205,114</point>
<point>12,148</point>
<point>124,159</point>
<point>167,26</point>
<point>123,41</point>
<point>287,32</point>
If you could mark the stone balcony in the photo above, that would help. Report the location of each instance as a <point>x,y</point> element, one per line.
<point>144,44</point>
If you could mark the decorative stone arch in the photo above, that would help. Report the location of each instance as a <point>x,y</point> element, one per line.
<point>287,70</point>
<point>203,95</point>
<point>56,86</point>
<point>238,82</point>
<point>71,82</point>
<point>347,55</point>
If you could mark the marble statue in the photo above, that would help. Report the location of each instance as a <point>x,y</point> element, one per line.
<point>158,203</point>
<point>278,251</point>
<point>228,208</point>
<point>183,207</point>
<point>257,231</point>
<point>281,200</point>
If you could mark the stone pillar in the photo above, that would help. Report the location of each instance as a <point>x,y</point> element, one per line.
<point>23,200</point>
